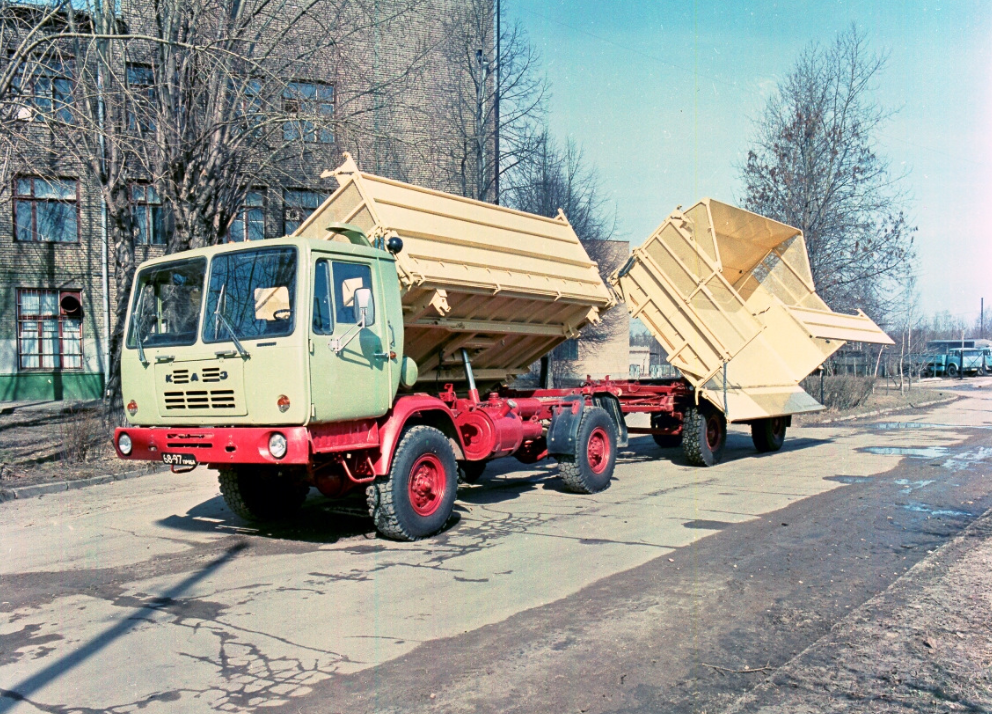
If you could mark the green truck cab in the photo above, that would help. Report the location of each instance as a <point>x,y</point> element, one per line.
<point>263,334</point>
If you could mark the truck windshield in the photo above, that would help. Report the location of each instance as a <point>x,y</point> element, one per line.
<point>166,307</point>
<point>252,293</point>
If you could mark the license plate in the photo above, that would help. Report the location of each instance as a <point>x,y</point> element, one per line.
<point>179,459</point>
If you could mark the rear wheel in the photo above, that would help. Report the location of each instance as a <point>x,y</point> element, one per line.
<point>418,496</point>
<point>952,370</point>
<point>260,494</point>
<point>590,469</point>
<point>665,441</point>
<point>704,434</point>
<point>768,434</point>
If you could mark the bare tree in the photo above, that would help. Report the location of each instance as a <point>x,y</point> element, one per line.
<point>483,87</point>
<point>199,101</point>
<point>815,165</point>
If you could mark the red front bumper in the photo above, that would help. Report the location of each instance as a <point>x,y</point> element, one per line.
<point>228,445</point>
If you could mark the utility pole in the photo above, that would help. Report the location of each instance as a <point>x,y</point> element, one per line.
<point>496,90</point>
<point>480,124</point>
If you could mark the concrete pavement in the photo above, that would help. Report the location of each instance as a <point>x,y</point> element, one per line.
<point>148,594</point>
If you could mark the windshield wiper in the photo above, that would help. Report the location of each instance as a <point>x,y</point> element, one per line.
<point>136,325</point>
<point>219,315</point>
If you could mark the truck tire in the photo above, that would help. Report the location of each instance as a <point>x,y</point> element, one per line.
<point>418,496</point>
<point>471,471</point>
<point>704,434</point>
<point>768,434</point>
<point>590,469</point>
<point>952,370</point>
<point>257,494</point>
<point>665,441</point>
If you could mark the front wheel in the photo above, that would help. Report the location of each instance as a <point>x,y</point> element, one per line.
<point>260,495</point>
<point>590,469</point>
<point>768,434</point>
<point>418,496</point>
<point>704,434</point>
<point>952,371</point>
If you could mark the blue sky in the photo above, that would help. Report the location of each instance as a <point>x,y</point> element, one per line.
<point>661,96</point>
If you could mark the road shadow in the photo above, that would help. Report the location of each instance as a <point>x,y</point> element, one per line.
<point>320,520</point>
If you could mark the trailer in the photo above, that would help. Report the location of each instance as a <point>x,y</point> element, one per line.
<point>372,350</point>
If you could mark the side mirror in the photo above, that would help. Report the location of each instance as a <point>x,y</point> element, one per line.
<point>365,306</point>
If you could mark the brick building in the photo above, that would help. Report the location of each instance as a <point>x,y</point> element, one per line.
<point>56,277</point>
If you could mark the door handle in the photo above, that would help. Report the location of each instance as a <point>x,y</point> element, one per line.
<point>381,355</point>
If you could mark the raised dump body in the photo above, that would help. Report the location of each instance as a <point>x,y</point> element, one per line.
<point>508,286</point>
<point>729,294</point>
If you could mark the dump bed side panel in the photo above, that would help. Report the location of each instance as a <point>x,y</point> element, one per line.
<point>506,285</point>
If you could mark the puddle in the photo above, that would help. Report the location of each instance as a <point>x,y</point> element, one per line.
<point>967,459</point>
<point>706,525</point>
<point>925,452</point>
<point>848,479</point>
<point>923,508</point>
<point>922,425</point>
<point>911,485</point>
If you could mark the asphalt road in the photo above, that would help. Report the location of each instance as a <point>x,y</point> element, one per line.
<point>676,590</point>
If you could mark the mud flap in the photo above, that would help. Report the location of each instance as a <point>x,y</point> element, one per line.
<point>564,429</point>
<point>612,406</point>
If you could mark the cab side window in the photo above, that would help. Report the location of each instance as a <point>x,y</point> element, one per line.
<point>349,277</point>
<point>322,322</point>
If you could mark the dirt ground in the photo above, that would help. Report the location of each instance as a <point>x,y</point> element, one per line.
<point>56,442</point>
<point>882,399</point>
<point>924,645</point>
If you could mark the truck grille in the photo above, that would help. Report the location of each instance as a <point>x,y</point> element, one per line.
<point>200,398</point>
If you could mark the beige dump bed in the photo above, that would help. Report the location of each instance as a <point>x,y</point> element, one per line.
<point>730,296</point>
<point>507,285</point>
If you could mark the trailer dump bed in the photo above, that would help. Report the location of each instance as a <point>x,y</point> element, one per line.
<point>508,286</point>
<point>729,295</point>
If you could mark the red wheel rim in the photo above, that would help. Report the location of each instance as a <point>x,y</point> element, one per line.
<point>598,450</point>
<point>713,433</point>
<point>427,485</point>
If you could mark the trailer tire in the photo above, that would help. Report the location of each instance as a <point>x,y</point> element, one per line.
<point>590,469</point>
<point>471,471</point>
<point>258,495</point>
<point>704,434</point>
<point>418,496</point>
<point>768,434</point>
<point>664,441</point>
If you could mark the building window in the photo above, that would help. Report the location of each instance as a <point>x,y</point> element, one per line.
<point>49,329</point>
<point>310,107</point>
<point>297,205</point>
<point>149,215</point>
<point>568,350</point>
<point>48,91</point>
<point>249,223</point>
<point>46,210</point>
<point>141,82</point>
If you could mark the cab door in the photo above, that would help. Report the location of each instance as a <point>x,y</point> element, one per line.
<point>349,363</point>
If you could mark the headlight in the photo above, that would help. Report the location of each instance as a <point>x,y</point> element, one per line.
<point>277,445</point>
<point>124,444</point>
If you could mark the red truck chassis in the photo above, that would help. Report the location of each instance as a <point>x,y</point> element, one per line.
<point>528,424</point>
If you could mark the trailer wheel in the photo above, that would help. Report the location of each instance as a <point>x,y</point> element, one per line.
<point>665,441</point>
<point>590,469</point>
<point>416,499</point>
<point>261,495</point>
<point>704,434</point>
<point>471,471</point>
<point>768,434</point>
